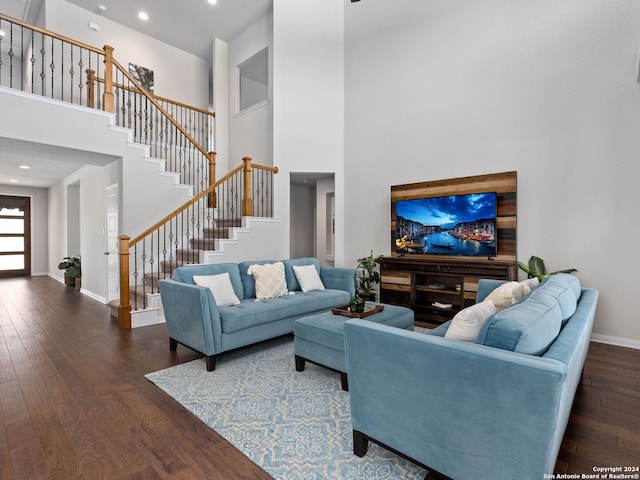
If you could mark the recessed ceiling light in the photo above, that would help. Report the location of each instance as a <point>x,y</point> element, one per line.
<point>102,7</point>
<point>2,34</point>
<point>143,16</point>
<point>212,2</point>
<point>13,180</point>
<point>24,167</point>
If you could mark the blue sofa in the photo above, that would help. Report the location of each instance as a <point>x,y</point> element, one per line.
<point>195,321</point>
<point>475,410</point>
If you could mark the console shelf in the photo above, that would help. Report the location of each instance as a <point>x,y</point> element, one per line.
<point>437,289</point>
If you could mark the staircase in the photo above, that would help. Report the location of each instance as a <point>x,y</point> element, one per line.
<point>207,244</point>
<point>169,135</point>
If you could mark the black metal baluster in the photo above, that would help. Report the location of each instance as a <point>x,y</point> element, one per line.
<point>135,277</point>
<point>61,68</point>
<point>143,259</point>
<point>71,73</point>
<point>42,74</point>
<point>11,55</point>
<point>52,66</point>
<point>80,83</point>
<point>151,265</point>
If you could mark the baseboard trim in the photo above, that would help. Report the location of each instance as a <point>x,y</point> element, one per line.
<point>620,342</point>
<point>88,293</point>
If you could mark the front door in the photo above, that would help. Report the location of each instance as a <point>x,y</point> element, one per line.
<point>15,236</point>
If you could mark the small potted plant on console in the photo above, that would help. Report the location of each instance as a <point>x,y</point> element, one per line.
<point>368,275</point>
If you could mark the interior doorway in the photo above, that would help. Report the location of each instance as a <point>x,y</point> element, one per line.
<point>312,216</point>
<point>111,251</point>
<point>15,236</point>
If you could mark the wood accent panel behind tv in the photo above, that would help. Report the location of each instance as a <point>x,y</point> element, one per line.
<point>505,184</point>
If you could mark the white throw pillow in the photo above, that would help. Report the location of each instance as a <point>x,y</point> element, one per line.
<point>220,286</point>
<point>270,280</point>
<point>530,284</point>
<point>467,322</point>
<point>308,278</point>
<point>506,295</point>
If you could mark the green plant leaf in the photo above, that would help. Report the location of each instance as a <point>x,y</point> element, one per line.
<point>524,267</point>
<point>536,265</point>
<point>568,270</point>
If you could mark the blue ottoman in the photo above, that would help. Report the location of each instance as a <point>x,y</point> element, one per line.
<point>319,338</point>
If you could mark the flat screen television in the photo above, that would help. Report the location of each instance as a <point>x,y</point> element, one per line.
<point>447,225</point>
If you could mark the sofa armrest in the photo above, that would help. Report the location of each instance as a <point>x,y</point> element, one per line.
<point>192,315</point>
<point>466,410</point>
<point>338,278</point>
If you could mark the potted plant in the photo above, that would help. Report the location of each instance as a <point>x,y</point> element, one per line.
<point>368,275</point>
<point>72,271</point>
<point>536,268</point>
<point>356,304</point>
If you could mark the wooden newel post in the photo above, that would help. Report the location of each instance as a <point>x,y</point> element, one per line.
<point>124,310</point>
<point>91,88</point>
<point>213,201</point>
<point>247,199</point>
<point>107,99</point>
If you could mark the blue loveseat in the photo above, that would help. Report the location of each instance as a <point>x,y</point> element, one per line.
<point>475,410</point>
<point>194,320</point>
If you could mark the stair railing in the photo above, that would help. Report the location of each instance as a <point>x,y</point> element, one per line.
<point>41,62</point>
<point>182,236</point>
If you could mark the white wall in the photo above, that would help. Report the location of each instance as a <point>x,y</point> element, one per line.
<point>445,89</point>
<point>308,99</point>
<point>251,132</point>
<point>221,105</point>
<point>39,224</point>
<point>88,189</point>
<point>178,75</point>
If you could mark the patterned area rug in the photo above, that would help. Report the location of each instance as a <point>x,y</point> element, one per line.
<point>295,425</point>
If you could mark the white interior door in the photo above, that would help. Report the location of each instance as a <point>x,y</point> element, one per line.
<point>111,252</point>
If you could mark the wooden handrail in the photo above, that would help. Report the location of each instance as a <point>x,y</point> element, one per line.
<point>51,34</point>
<point>126,244</point>
<point>159,98</point>
<point>159,107</point>
<point>198,197</point>
<point>263,167</point>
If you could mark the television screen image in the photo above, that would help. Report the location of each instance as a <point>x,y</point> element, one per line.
<point>450,225</point>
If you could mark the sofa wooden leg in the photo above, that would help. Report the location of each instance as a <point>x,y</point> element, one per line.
<point>360,443</point>
<point>211,362</point>
<point>299,364</point>
<point>344,381</point>
<point>173,344</point>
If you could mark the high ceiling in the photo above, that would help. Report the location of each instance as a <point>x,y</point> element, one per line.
<point>189,25</point>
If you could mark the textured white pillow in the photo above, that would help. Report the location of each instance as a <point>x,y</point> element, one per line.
<point>467,322</point>
<point>308,278</point>
<point>530,284</point>
<point>220,286</point>
<point>270,280</point>
<point>506,295</point>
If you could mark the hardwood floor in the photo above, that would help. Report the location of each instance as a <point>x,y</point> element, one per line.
<point>74,402</point>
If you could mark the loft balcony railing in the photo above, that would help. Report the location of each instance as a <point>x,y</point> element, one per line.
<point>41,62</point>
<point>181,237</point>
